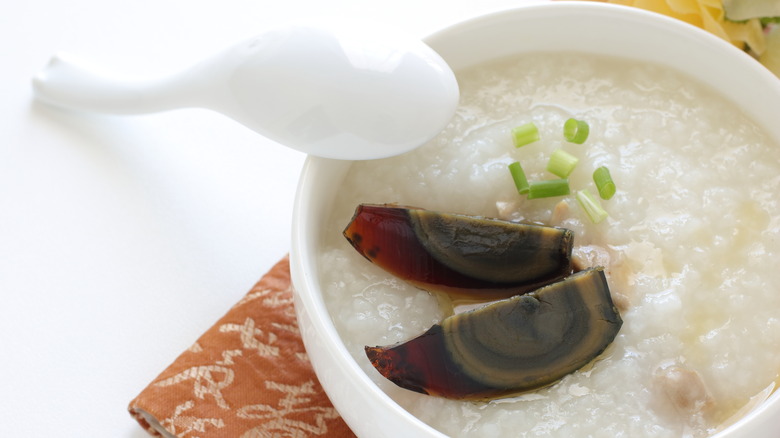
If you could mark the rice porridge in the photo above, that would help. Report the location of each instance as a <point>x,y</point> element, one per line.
<point>689,246</point>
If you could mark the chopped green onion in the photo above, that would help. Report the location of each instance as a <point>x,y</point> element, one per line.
<point>562,163</point>
<point>604,183</point>
<point>519,177</point>
<point>576,131</point>
<point>525,134</point>
<point>548,188</point>
<point>591,206</point>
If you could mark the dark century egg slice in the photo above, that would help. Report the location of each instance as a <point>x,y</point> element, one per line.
<point>510,346</point>
<point>470,256</point>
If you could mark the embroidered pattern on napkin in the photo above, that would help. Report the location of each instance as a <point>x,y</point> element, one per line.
<point>248,376</point>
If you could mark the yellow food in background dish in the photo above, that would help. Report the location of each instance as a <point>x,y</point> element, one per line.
<point>712,16</point>
<point>771,57</point>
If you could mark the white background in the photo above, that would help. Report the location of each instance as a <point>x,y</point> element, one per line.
<point>122,239</point>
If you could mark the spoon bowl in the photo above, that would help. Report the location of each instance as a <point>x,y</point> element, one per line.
<point>340,91</point>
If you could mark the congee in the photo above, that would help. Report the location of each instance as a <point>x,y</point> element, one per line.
<point>689,246</point>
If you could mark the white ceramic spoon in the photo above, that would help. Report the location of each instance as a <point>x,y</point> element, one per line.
<point>340,91</point>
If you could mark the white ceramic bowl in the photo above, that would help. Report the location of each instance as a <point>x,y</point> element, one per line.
<point>560,26</point>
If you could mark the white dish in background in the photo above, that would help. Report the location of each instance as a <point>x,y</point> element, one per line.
<point>582,27</point>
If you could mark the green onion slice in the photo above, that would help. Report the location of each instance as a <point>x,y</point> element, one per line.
<point>604,183</point>
<point>562,163</point>
<point>591,206</point>
<point>519,177</point>
<point>548,188</point>
<point>525,134</point>
<point>576,131</point>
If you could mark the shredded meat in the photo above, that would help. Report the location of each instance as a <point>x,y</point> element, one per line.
<point>560,213</point>
<point>508,210</point>
<point>685,389</point>
<point>588,256</point>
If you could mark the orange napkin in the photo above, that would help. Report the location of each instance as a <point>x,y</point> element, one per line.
<point>248,376</point>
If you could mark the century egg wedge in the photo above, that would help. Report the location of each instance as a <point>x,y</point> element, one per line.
<point>468,256</point>
<point>511,346</point>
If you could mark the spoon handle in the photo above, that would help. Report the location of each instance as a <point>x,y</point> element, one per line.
<point>72,83</point>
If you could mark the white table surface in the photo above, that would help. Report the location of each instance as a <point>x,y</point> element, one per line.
<point>122,239</point>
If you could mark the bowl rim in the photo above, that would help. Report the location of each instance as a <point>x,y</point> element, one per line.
<point>318,331</point>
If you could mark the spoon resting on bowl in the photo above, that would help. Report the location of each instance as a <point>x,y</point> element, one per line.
<point>339,91</point>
